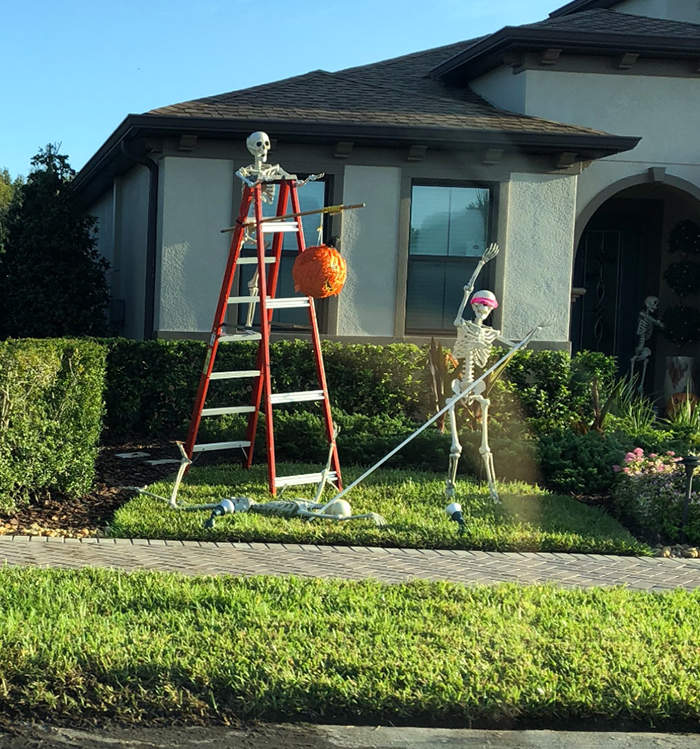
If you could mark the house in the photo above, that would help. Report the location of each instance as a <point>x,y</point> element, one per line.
<point>572,142</point>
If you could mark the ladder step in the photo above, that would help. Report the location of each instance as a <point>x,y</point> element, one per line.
<point>288,302</point>
<point>249,335</point>
<point>302,395</point>
<point>273,227</point>
<point>234,375</point>
<point>303,478</point>
<point>254,260</point>
<point>227,410</point>
<point>219,446</point>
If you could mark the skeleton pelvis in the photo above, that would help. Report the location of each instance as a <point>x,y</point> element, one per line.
<point>458,386</point>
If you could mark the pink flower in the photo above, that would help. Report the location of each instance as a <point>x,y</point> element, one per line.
<point>670,452</point>
<point>617,469</point>
<point>638,452</point>
<point>626,470</point>
<point>629,457</point>
<point>653,455</point>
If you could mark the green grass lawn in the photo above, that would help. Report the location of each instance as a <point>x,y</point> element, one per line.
<point>89,644</point>
<point>413,503</point>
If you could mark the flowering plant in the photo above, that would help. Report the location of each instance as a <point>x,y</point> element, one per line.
<point>649,492</point>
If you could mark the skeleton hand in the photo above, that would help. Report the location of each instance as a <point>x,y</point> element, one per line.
<point>241,174</point>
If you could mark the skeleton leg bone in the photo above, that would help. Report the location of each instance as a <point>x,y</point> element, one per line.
<point>455,453</point>
<point>252,291</point>
<point>485,449</point>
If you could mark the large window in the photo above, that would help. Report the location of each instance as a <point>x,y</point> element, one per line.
<point>312,196</point>
<point>450,227</point>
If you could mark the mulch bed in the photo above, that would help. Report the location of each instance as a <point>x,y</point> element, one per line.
<point>56,515</point>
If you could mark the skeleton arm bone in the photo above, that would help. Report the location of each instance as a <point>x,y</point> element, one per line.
<point>244,172</point>
<point>489,253</point>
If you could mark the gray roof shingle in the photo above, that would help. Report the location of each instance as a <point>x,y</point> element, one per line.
<point>392,92</point>
<point>614,22</point>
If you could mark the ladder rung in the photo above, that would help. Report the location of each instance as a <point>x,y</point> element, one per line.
<point>227,410</point>
<point>288,302</point>
<point>303,478</point>
<point>243,299</point>
<point>234,375</point>
<point>219,446</point>
<point>272,227</point>
<point>302,395</point>
<point>250,335</point>
<point>254,260</point>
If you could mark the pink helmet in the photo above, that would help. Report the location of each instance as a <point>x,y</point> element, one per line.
<point>487,298</point>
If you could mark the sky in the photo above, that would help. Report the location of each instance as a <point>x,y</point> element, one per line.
<point>72,70</point>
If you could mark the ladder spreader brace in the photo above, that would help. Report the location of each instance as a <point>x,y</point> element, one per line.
<point>278,226</point>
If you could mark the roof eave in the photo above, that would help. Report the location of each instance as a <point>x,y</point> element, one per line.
<point>110,159</point>
<point>487,54</point>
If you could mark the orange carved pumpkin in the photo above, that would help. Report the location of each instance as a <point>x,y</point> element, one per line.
<point>319,272</point>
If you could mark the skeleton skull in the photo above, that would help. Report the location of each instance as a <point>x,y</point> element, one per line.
<point>482,303</point>
<point>258,143</point>
<point>651,303</point>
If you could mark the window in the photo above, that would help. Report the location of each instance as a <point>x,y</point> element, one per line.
<point>312,196</point>
<point>450,228</point>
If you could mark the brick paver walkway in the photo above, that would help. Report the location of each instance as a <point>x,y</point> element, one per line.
<point>352,563</point>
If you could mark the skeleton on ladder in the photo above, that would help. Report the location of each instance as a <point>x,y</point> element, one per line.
<point>260,179</point>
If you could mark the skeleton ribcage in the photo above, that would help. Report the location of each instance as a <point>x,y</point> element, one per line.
<point>475,340</point>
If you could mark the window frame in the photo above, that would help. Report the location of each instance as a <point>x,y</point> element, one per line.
<point>488,273</point>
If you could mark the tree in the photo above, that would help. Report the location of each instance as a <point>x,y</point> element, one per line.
<point>8,187</point>
<point>52,279</point>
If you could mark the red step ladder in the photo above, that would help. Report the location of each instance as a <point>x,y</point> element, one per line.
<point>278,226</point>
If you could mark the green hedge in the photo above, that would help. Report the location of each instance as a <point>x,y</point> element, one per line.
<point>151,385</point>
<point>50,416</point>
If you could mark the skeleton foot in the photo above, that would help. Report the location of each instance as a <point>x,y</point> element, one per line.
<point>487,457</point>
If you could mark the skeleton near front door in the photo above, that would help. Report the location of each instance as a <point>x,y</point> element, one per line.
<point>473,345</point>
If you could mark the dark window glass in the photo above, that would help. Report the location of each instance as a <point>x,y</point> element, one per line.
<point>311,197</point>
<point>449,231</point>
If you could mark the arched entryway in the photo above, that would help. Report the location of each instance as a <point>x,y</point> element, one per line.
<point>621,256</point>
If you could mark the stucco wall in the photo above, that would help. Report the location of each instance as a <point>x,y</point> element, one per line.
<point>196,201</point>
<point>369,243</point>
<point>676,10</point>
<point>664,111</point>
<point>538,257</point>
<point>103,211</point>
<point>130,232</point>
<point>502,88</point>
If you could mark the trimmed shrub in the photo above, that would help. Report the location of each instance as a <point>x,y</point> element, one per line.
<point>649,495</point>
<point>580,463</point>
<point>151,385</point>
<point>50,417</point>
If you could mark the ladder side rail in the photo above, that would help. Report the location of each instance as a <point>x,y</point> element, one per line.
<point>318,358</point>
<point>265,344</point>
<point>219,317</point>
<point>256,395</point>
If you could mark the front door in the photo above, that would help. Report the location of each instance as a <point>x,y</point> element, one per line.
<point>618,262</point>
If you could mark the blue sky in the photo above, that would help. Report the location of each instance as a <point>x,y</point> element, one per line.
<point>72,69</point>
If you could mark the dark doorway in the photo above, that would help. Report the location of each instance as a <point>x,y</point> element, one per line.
<point>618,262</point>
